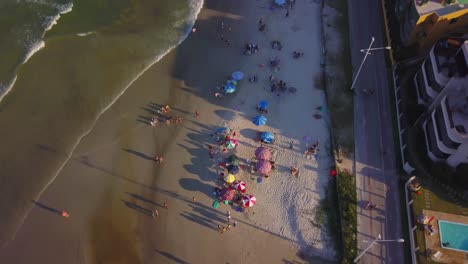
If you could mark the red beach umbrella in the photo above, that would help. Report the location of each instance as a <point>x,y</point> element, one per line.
<point>263,153</point>
<point>228,194</point>
<point>240,185</point>
<point>263,167</point>
<point>249,200</point>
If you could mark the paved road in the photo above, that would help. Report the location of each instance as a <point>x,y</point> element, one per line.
<point>376,178</point>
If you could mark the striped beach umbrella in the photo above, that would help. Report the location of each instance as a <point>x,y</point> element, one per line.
<point>259,120</point>
<point>249,200</point>
<point>230,178</point>
<point>263,167</point>
<point>230,144</point>
<point>263,153</point>
<point>263,104</point>
<point>240,185</point>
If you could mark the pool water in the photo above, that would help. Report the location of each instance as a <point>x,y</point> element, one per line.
<point>455,234</point>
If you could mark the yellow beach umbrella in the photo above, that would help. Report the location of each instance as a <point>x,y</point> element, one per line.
<point>230,178</point>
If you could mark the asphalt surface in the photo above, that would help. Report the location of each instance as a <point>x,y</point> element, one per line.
<point>376,176</point>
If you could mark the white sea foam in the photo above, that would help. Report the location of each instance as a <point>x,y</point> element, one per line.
<point>6,88</point>
<point>85,34</point>
<point>52,20</point>
<point>33,48</point>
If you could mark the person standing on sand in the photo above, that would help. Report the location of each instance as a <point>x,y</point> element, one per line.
<point>165,205</point>
<point>228,215</point>
<point>197,114</point>
<point>211,151</point>
<point>158,159</point>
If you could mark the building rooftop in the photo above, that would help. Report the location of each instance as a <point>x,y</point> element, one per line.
<point>438,6</point>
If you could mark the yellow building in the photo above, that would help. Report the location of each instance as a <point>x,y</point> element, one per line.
<point>426,21</point>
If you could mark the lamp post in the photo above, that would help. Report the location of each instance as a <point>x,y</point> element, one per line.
<point>381,48</point>
<point>366,51</point>
<point>375,241</point>
<point>362,63</point>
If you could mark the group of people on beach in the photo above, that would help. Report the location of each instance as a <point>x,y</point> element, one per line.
<point>162,116</point>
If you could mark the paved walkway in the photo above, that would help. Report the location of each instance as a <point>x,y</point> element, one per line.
<point>376,178</point>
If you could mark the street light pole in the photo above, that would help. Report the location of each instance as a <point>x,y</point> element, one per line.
<point>362,63</point>
<point>381,48</point>
<point>375,241</point>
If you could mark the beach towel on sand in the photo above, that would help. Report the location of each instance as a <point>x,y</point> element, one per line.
<point>215,204</point>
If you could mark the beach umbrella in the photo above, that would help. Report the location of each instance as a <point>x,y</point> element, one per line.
<point>233,160</point>
<point>240,185</point>
<point>233,169</point>
<point>259,120</point>
<point>280,2</point>
<point>228,194</point>
<point>229,88</point>
<point>263,104</point>
<point>423,219</point>
<point>230,178</point>
<point>237,75</point>
<point>263,153</point>
<point>249,200</point>
<point>263,166</point>
<point>267,137</point>
<point>223,130</point>
<point>230,144</point>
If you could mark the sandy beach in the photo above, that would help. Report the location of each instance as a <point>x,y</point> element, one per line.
<point>113,165</point>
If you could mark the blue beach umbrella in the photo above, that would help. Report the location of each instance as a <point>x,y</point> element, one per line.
<point>280,2</point>
<point>223,130</point>
<point>263,104</point>
<point>237,75</point>
<point>259,120</point>
<point>229,88</point>
<point>267,137</point>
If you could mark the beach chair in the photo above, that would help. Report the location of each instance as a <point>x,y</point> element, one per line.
<point>437,256</point>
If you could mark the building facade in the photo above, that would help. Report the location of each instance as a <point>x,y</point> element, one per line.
<point>423,22</point>
<point>442,87</point>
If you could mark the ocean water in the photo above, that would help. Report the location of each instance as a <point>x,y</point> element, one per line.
<point>63,63</point>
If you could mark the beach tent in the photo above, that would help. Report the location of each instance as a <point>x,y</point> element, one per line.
<point>262,153</point>
<point>263,104</point>
<point>267,137</point>
<point>228,194</point>
<point>230,144</point>
<point>240,185</point>
<point>230,178</point>
<point>233,169</point>
<point>259,120</point>
<point>233,160</point>
<point>237,75</point>
<point>249,200</point>
<point>229,88</point>
<point>263,167</point>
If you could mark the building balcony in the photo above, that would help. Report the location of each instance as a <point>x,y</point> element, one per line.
<point>444,142</point>
<point>420,84</point>
<point>455,111</point>
<point>428,88</point>
<point>431,142</point>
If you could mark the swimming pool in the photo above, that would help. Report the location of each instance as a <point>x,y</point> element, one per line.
<point>455,234</point>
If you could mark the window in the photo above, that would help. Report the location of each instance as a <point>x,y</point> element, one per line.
<point>453,20</point>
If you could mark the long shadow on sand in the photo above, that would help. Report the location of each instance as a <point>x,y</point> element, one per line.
<point>144,199</point>
<point>138,154</point>
<point>50,209</point>
<point>138,208</point>
<point>171,257</point>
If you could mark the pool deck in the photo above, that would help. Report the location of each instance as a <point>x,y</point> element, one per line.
<point>433,241</point>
